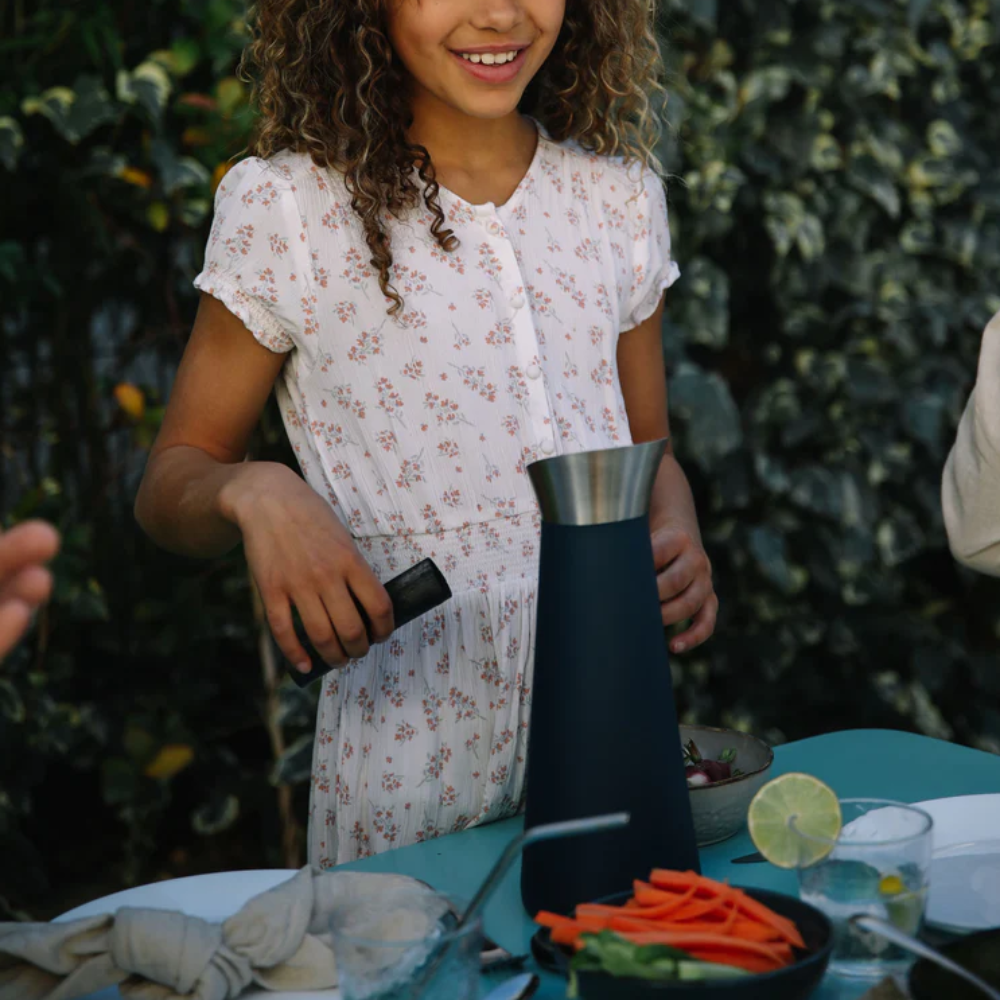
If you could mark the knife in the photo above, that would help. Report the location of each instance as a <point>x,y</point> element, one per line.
<point>413,593</point>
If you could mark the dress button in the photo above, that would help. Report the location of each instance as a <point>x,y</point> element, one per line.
<point>493,228</point>
<point>533,371</point>
<point>548,447</point>
<point>517,302</point>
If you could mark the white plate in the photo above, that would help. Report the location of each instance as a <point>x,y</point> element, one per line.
<point>212,897</point>
<point>965,870</point>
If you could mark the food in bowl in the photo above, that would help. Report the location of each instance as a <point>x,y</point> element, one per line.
<point>678,925</point>
<point>700,770</point>
<point>707,941</point>
<point>719,808</point>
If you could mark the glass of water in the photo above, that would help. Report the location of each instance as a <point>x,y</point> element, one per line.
<point>403,945</point>
<point>877,866</point>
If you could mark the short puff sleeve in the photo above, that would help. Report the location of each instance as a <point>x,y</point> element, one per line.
<point>651,267</point>
<point>257,257</point>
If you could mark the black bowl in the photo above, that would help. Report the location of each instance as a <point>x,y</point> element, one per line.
<point>796,982</point>
<point>979,953</point>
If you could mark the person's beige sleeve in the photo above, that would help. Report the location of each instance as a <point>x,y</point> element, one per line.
<point>970,490</point>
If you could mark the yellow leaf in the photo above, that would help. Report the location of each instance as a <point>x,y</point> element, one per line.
<point>159,216</point>
<point>131,400</point>
<point>133,175</point>
<point>229,93</point>
<point>171,760</point>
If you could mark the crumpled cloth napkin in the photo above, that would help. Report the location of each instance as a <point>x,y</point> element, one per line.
<point>278,941</point>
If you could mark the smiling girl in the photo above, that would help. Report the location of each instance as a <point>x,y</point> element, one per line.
<point>448,257</point>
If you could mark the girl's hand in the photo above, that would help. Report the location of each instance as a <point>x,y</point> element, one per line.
<point>301,555</point>
<point>684,580</point>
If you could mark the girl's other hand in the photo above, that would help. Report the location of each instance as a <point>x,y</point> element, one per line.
<point>302,556</point>
<point>684,581</point>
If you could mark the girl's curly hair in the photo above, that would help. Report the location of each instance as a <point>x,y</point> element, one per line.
<point>325,82</point>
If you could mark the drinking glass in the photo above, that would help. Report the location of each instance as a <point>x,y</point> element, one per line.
<point>878,866</point>
<point>403,945</point>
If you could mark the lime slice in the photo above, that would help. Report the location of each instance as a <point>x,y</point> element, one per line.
<point>907,911</point>
<point>815,809</point>
<point>904,908</point>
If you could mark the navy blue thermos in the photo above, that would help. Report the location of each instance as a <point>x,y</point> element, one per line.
<point>604,731</point>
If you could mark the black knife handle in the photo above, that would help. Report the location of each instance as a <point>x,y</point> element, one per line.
<point>413,593</point>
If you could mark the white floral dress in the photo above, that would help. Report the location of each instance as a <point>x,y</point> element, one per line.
<point>417,429</point>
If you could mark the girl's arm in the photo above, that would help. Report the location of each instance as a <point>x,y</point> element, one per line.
<point>195,474</point>
<point>198,497</point>
<point>970,490</point>
<point>685,573</point>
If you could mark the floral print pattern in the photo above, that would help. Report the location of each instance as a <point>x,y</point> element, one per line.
<point>418,429</point>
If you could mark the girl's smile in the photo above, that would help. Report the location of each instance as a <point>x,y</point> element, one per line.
<point>473,57</point>
<point>493,63</point>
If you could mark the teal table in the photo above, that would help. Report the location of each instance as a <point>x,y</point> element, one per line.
<point>856,764</point>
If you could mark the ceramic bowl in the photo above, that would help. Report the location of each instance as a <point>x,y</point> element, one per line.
<point>796,982</point>
<point>720,809</point>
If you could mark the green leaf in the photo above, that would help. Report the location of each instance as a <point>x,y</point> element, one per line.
<point>865,174</point>
<point>11,142</point>
<point>916,11</point>
<point>176,172</point>
<point>828,491</point>
<point>186,56</point>
<point>703,400</point>
<point>216,816</point>
<point>770,84</point>
<point>148,85</point>
<point>899,538</point>
<point>120,781</point>
<point>769,550</point>
<point>74,112</point>
<point>704,314</point>
<point>139,744</point>
<point>11,260</point>
<point>11,704</point>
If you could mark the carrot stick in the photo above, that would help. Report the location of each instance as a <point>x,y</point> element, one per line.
<point>784,952</point>
<point>600,910</point>
<point>664,903</point>
<point>749,963</point>
<point>730,922</point>
<point>704,942</point>
<point>754,931</point>
<point>565,934</point>
<point>546,919</point>
<point>758,911</point>
<point>750,930</point>
<point>663,878</point>
<point>698,908</point>
<point>645,895</point>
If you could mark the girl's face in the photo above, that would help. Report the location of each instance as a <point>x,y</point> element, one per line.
<point>475,56</point>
